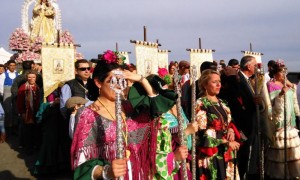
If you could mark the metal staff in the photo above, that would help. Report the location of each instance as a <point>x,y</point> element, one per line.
<point>118,84</point>
<point>193,115</point>
<point>259,72</point>
<point>180,120</point>
<point>285,127</point>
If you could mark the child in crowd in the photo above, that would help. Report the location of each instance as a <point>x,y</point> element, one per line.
<point>72,105</point>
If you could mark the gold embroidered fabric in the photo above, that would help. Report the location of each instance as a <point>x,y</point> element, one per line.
<point>198,56</point>
<point>163,58</point>
<point>58,66</point>
<point>146,59</point>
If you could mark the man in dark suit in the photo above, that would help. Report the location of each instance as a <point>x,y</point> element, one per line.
<point>241,101</point>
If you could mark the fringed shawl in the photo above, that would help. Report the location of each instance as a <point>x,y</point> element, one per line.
<point>95,138</point>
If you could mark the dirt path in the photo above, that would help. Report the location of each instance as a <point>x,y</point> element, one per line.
<point>13,164</point>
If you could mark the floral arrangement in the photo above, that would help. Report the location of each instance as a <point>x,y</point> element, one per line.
<point>28,55</point>
<point>164,74</point>
<point>113,57</point>
<point>66,37</point>
<point>280,62</point>
<point>37,45</point>
<point>19,40</point>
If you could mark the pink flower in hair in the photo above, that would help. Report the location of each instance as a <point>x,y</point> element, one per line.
<point>110,56</point>
<point>280,62</point>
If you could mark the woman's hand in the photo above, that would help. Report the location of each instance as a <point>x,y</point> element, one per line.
<point>230,135</point>
<point>234,145</point>
<point>181,153</point>
<point>284,90</point>
<point>132,76</point>
<point>191,128</point>
<point>118,168</point>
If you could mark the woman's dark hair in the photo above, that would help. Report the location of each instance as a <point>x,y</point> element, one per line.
<point>101,72</point>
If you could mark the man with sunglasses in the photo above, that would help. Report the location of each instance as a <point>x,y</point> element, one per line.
<point>78,86</point>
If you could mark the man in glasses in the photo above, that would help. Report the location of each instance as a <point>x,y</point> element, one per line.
<point>77,86</point>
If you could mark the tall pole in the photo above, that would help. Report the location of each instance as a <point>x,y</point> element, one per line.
<point>118,84</point>
<point>193,80</point>
<point>285,128</point>
<point>200,45</point>
<point>250,47</point>
<point>117,48</point>
<point>258,73</point>
<point>145,33</point>
<point>180,122</point>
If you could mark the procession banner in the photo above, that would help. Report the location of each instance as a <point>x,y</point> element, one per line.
<point>257,55</point>
<point>125,54</point>
<point>146,57</point>
<point>58,66</point>
<point>198,56</point>
<point>163,58</point>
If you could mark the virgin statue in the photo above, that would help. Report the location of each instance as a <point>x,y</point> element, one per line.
<point>42,24</point>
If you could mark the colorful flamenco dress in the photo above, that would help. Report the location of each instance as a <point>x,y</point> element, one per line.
<point>94,142</point>
<point>215,160</point>
<point>167,142</point>
<point>275,154</point>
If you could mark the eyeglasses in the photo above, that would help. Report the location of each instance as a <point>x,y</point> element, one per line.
<point>84,68</point>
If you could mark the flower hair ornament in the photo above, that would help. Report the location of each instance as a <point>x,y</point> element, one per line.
<point>164,74</point>
<point>113,57</point>
<point>280,62</point>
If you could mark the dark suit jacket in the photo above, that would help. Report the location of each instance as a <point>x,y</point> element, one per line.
<point>240,100</point>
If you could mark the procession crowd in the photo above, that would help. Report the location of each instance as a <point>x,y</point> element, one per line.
<point>239,118</point>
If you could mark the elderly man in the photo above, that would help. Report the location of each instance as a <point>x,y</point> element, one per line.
<point>242,102</point>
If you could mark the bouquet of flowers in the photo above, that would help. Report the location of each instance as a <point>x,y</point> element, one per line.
<point>19,40</point>
<point>37,45</point>
<point>113,57</point>
<point>28,55</point>
<point>78,55</point>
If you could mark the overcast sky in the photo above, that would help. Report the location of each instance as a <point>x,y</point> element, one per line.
<point>228,26</point>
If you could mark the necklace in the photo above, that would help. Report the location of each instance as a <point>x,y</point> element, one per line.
<point>220,114</point>
<point>124,124</point>
<point>85,89</point>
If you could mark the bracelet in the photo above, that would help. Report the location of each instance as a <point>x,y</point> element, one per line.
<point>105,172</point>
<point>142,77</point>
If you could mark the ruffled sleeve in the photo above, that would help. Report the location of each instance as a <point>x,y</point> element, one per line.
<point>157,105</point>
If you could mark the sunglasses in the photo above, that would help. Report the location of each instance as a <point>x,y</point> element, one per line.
<point>84,68</point>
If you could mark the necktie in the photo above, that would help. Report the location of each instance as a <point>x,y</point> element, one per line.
<point>250,85</point>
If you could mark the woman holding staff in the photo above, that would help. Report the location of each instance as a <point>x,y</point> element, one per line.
<point>217,134</point>
<point>93,149</point>
<point>275,156</point>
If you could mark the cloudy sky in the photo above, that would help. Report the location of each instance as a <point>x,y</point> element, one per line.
<point>228,26</point>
